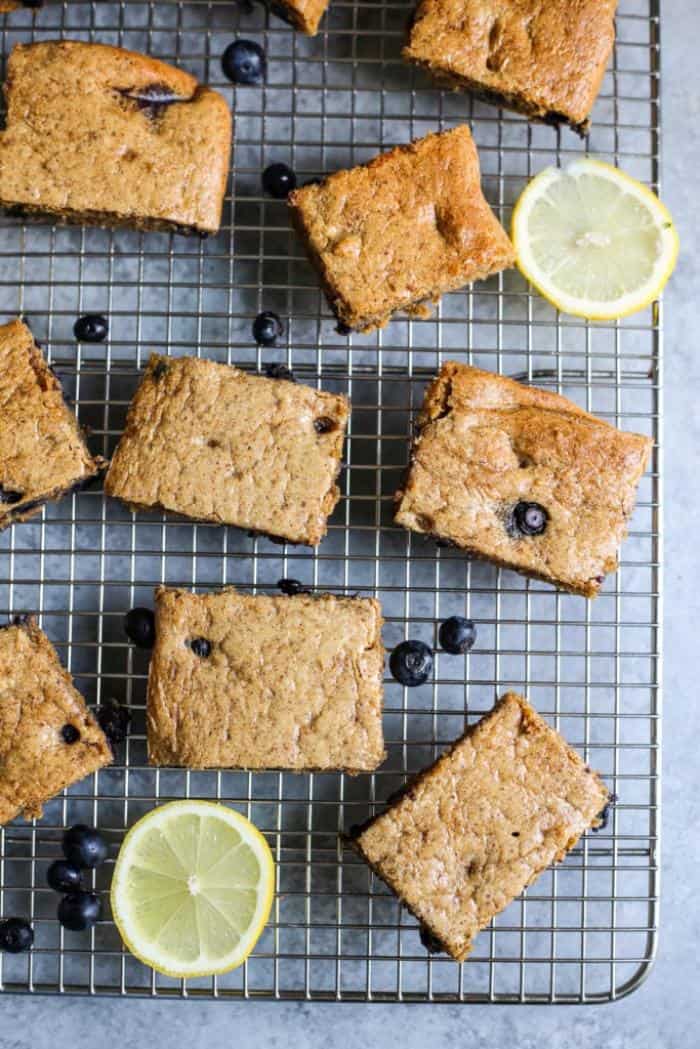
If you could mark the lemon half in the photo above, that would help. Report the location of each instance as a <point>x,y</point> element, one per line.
<point>594,241</point>
<point>192,888</point>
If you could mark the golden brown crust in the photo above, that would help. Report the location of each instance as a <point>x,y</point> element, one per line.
<point>213,443</point>
<point>37,700</point>
<point>405,228</point>
<point>486,443</point>
<point>543,58</point>
<point>304,14</point>
<point>42,451</point>
<point>84,144</point>
<point>507,800</point>
<point>289,683</point>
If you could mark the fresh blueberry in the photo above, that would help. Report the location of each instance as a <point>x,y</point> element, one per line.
<point>278,180</point>
<point>140,627</point>
<point>244,62</point>
<point>114,720</point>
<point>291,587</point>
<point>279,371</point>
<point>10,496</point>
<point>201,647</point>
<point>84,846</point>
<point>267,328</point>
<point>457,635</point>
<point>79,910</point>
<point>411,663</point>
<point>529,519</point>
<point>70,734</point>
<point>63,876</point>
<point>92,327</point>
<point>16,935</point>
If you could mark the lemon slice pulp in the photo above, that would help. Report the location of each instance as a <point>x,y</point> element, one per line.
<point>192,888</point>
<point>594,241</point>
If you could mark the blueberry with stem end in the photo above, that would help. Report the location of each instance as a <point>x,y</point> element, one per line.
<point>79,910</point>
<point>457,635</point>
<point>244,62</point>
<point>16,935</point>
<point>411,663</point>
<point>267,328</point>
<point>63,876</point>
<point>91,327</point>
<point>279,180</point>
<point>84,846</point>
<point>140,627</point>
<point>528,519</point>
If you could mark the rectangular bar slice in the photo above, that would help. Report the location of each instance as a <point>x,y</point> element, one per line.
<point>472,831</point>
<point>42,451</point>
<point>546,60</point>
<point>48,738</point>
<point>213,443</point>
<point>521,477</point>
<point>107,137</point>
<point>266,682</point>
<point>303,14</point>
<point>402,230</point>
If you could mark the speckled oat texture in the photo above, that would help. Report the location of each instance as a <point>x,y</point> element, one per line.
<point>99,135</point>
<point>507,800</point>
<point>37,700</point>
<point>213,443</point>
<point>486,443</point>
<point>401,230</point>
<point>42,451</point>
<point>289,682</point>
<point>304,14</point>
<point>544,58</point>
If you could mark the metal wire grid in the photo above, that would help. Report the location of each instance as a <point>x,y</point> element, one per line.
<point>584,932</point>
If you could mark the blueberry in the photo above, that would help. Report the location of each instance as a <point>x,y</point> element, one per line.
<point>267,328</point>
<point>244,62</point>
<point>457,635</point>
<point>411,663</point>
<point>529,519</point>
<point>324,424</point>
<point>290,587</point>
<point>91,327</point>
<point>201,647</point>
<point>279,371</point>
<point>10,496</point>
<point>16,935</point>
<point>114,720</point>
<point>140,627</point>
<point>84,846</point>
<point>278,180</point>
<point>63,876</point>
<point>430,941</point>
<point>70,734</point>
<point>604,815</point>
<point>79,910</point>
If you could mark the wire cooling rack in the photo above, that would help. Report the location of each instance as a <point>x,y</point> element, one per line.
<point>584,932</point>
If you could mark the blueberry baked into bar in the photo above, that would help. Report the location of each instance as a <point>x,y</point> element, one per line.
<point>521,477</point>
<point>103,136</point>
<point>42,451</point>
<point>214,443</point>
<point>543,58</point>
<point>48,738</point>
<point>468,834</point>
<point>402,230</point>
<point>263,682</point>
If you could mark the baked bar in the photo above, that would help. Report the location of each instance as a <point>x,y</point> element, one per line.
<point>401,230</point>
<point>266,682</point>
<point>302,14</point>
<point>546,60</point>
<point>210,442</point>
<point>472,831</point>
<point>48,738</point>
<point>12,5</point>
<point>521,477</point>
<point>107,137</point>
<point>42,452</point>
